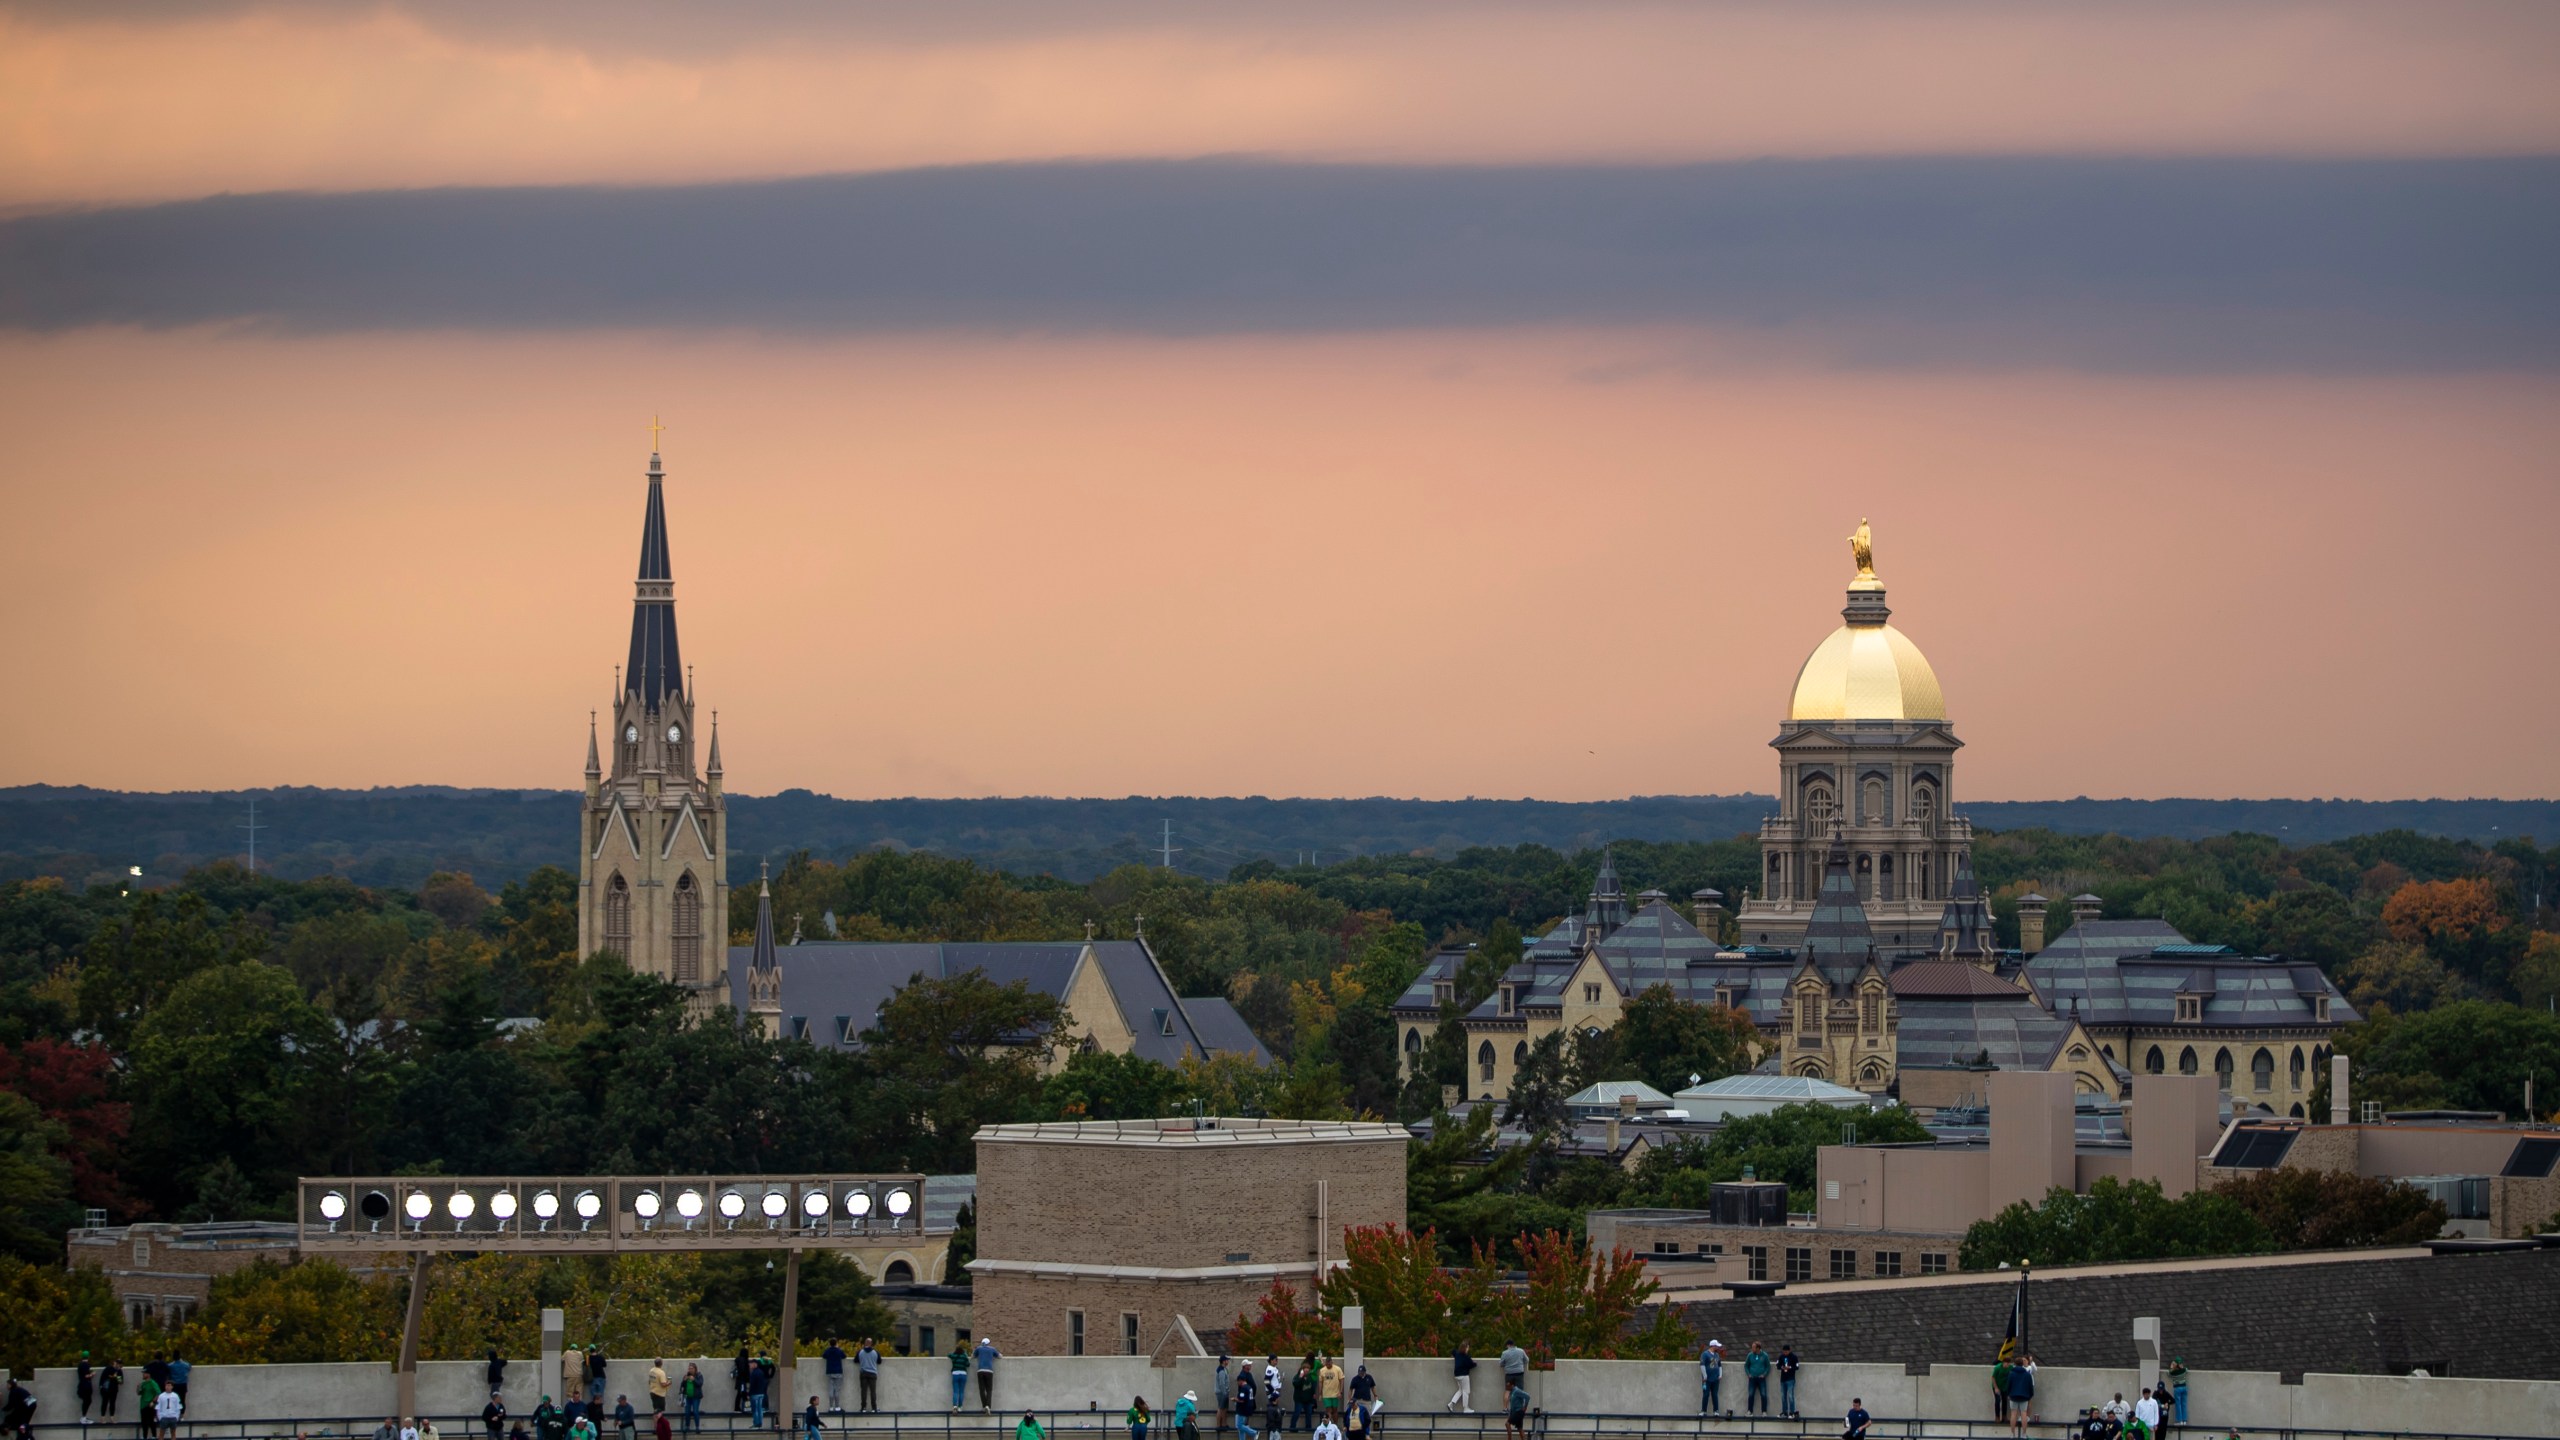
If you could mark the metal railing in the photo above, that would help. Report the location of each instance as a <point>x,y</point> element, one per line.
<point>1415,1425</point>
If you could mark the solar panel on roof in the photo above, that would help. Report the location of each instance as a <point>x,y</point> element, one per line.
<point>2255,1149</point>
<point>2534,1157</point>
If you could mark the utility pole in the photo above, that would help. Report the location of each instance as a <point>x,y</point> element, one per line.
<point>1169,851</point>
<point>253,827</point>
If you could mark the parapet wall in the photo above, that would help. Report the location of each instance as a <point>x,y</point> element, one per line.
<point>451,1391</point>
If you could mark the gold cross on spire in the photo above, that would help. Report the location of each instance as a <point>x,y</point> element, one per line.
<point>654,429</point>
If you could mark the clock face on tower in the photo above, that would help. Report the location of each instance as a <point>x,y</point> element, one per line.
<point>631,733</point>
<point>675,734</point>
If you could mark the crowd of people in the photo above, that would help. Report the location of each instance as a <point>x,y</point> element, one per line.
<point>159,1403</point>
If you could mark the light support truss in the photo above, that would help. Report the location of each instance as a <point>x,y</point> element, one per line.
<point>425,1215</point>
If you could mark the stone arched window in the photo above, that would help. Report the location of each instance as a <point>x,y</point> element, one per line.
<point>1874,810</point>
<point>2297,1067</point>
<point>898,1273</point>
<point>687,931</point>
<point>1871,1011</point>
<point>2187,1061</point>
<point>617,916</point>
<point>2223,1066</point>
<point>1866,870</point>
<point>1413,1042</point>
<point>1818,807</point>
<point>2262,1070</point>
<point>1884,879</point>
<point>1924,808</point>
<point>1520,1055</point>
<point>1808,1011</point>
<point>2154,1062</point>
<point>1484,1062</point>
<point>2297,1110</point>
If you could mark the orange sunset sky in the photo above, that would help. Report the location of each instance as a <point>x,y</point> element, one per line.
<point>1408,399</point>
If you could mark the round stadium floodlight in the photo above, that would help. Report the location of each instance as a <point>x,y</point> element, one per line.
<point>732,1205</point>
<point>375,1205</point>
<point>419,1206</point>
<point>857,1203</point>
<point>645,1204</point>
<point>503,1206</point>
<point>333,1206</point>
<point>901,1201</point>
<point>814,1204</point>
<point>546,1204</point>
<point>459,1205</point>
<point>689,1204</point>
<point>589,1204</point>
<point>775,1203</point>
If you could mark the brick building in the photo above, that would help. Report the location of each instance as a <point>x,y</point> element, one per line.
<point>1093,1237</point>
<point>161,1274</point>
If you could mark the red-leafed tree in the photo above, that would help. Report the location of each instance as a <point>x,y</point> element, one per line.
<point>71,1085</point>
<point>1280,1326</point>
<point>1572,1303</point>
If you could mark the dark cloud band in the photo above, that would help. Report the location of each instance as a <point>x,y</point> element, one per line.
<point>2105,263</point>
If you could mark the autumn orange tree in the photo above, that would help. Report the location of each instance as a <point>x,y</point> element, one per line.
<point>1569,1301</point>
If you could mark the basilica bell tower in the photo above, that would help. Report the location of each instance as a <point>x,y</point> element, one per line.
<point>653,856</point>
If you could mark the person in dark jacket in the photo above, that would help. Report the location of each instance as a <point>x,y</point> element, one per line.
<point>497,1371</point>
<point>493,1416</point>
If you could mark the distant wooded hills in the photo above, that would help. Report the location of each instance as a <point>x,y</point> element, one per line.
<point>399,835</point>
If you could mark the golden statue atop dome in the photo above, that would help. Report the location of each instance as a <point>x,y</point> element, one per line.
<point>1862,548</point>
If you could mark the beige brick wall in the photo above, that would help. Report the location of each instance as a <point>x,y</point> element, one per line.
<point>1685,1236</point>
<point>1029,1316</point>
<point>1176,1205</point>
<point>1241,1208</point>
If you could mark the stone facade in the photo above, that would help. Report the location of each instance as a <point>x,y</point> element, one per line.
<point>161,1274</point>
<point>653,849</point>
<point>1107,1220</point>
<point>1688,1250</point>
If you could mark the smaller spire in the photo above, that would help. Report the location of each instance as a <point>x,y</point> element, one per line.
<point>714,767</point>
<point>594,767</point>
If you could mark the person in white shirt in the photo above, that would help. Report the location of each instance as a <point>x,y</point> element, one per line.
<point>2146,1411</point>
<point>409,1429</point>
<point>2118,1409</point>
<point>167,1410</point>
<point>1330,1429</point>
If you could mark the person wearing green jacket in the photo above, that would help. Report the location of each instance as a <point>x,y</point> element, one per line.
<point>1755,1371</point>
<point>959,1358</point>
<point>1139,1417</point>
<point>1029,1429</point>
<point>2000,1393</point>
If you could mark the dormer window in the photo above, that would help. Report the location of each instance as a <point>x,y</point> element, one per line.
<point>2319,1007</point>
<point>1506,999</point>
<point>1725,996</point>
<point>2191,1009</point>
<point>1442,992</point>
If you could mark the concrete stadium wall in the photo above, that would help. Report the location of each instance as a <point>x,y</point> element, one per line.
<point>452,1391</point>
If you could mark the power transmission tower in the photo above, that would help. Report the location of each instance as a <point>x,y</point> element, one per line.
<point>253,827</point>
<point>1168,847</point>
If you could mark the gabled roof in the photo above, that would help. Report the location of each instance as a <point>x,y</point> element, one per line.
<point>1949,979</point>
<point>1965,927</point>
<point>2131,972</point>
<point>827,981</point>
<point>2018,1034</point>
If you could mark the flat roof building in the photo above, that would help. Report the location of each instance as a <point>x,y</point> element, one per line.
<point>1094,1236</point>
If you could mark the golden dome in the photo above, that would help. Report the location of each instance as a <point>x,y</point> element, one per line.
<point>1867,672</point>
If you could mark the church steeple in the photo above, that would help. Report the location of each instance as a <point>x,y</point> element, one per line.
<point>764,965</point>
<point>656,669</point>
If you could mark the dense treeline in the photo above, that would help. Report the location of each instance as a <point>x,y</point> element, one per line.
<point>398,835</point>
<point>187,1050</point>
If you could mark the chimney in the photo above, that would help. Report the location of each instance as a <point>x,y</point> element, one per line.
<point>2085,907</point>
<point>2338,1108</point>
<point>2031,923</point>
<point>1708,907</point>
<point>1448,1097</point>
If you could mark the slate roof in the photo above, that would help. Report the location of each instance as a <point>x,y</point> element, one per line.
<point>1965,927</point>
<point>1836,937</point>
<point>1443,966</point>
<point>2131,972</point>
<point>1222,1029</point>
<point>2019,1033</point>
<point>2474,1315</point>
<point>833,990</point>
<point>656,669</point>
<point>1948,979</point>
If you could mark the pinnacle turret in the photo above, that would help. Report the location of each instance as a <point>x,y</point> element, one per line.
<point>656,669</point>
